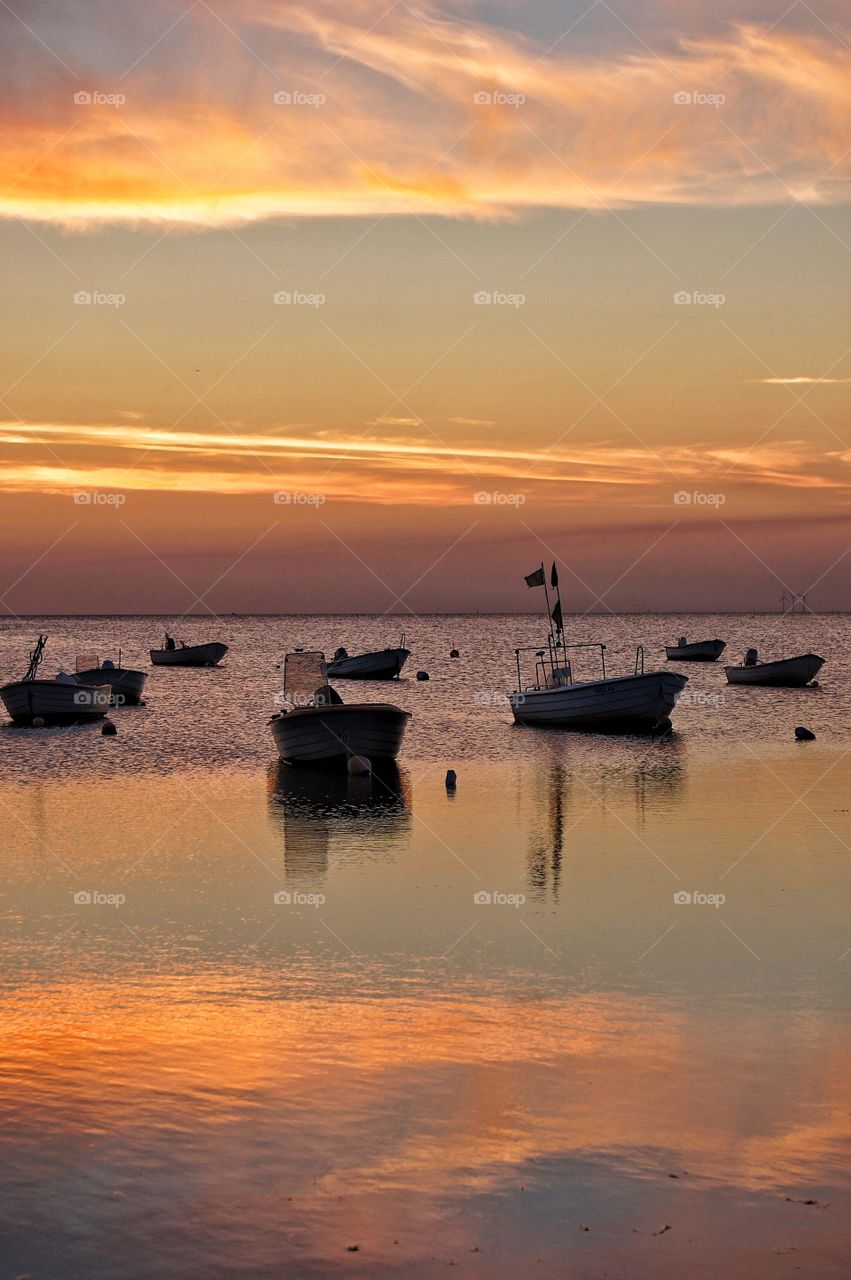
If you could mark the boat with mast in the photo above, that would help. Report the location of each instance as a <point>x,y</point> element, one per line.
<point>62,700</point>
<point>638,702</point>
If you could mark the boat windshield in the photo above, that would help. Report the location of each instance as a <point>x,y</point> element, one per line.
<point>304,673</point>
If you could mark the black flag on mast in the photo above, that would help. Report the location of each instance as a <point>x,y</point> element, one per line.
<point>536,579</point>
<point>554,576</point>
<point>557,618</point>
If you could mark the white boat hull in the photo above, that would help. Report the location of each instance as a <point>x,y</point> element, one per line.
<point>637,703</point>
<point>384,665</point>
<point>127,686</point>
<point>193,655</point>
<point>788,672</point>
<point>329,735</point>
<point>700,651</point>
<point>54,701</point>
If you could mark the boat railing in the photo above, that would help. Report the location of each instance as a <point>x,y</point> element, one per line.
<point>553,669</point>
<point>639,660</point>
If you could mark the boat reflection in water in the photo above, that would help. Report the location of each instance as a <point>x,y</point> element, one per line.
<point>626,788</point>
<point>329,817</point>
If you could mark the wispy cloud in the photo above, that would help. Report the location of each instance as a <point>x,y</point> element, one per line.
<point>390,109</point>
<point>784,382</point>
<point>412,470</point>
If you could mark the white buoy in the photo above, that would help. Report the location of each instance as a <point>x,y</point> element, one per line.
<point>422,675</point>
<point>38,722</point>
<point>109,730</point>
<point>359,765</point>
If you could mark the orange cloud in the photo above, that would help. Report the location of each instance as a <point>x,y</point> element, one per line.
<point>384,111</point>
<point>63,458</point>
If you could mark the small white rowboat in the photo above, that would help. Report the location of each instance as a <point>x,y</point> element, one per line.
<point>697,651</point>
<point>789,672</point>
<point>382,665</point>
<point>59,701</point>
<point>319,729</point>
<point>192,655</point>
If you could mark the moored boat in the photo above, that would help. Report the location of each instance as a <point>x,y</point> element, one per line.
<point>639,702</point>
<point>127,685</point>
<point>383,664</point>
<point>62,700</point>
<point>319,729</point>
<point>175,654</point>
<point>792,673</point>
<point>696,651</point>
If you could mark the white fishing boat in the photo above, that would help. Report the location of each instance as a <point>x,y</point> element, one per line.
<point>62,700</point>
<point>179,654</point>
<point>127,685</point>
<point>383,664</point>
<point>639,702</point>
<point>696,651</point>
<point>787,672</point>
<point>318,728</point>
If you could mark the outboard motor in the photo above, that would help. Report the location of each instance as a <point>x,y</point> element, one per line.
<point>751,658</point>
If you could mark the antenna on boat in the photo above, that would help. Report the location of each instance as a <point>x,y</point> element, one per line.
<point>35,658</point>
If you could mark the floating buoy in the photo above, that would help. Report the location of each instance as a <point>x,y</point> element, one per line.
<point>804,735</point>
<point>38,722</point>
<point>359,765</point>
<point>451,779</point>
<point>453,653</point>
<point>422,675</point>
<point>109,730</point>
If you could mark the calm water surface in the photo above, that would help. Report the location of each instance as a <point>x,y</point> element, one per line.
<point>322,1026</point>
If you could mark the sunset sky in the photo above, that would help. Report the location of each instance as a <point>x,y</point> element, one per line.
<point>466,286</point>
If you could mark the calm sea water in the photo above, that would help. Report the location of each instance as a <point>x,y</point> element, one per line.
<point>265,1023</point>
